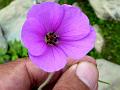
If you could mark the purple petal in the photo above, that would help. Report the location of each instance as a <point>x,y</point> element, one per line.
<point>52,60</point>
<point>79,48</point>
<point>75,23</point>
<point>49,13</point>
<point>33,36</point>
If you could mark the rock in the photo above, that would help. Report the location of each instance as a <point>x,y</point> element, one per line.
<point>3,43</point>
<point>75,4</point>
<point>99,39</point>
<point>106,9</point>
<point>110,73</point>
<point>13,16</point>
<point>39,1</point>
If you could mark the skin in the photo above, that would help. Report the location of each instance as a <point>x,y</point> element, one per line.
<point>24,75</point>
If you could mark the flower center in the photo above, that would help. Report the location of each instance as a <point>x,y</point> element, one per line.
<point>51,38</point>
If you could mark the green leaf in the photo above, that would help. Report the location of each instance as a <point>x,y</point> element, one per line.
<point>2,51</point>
<point>104,82</point>
<point>14,57</point>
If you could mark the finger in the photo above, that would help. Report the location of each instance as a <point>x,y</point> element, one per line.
<point>69,81</point>
<point>88,73</point>
<point>78,77</point>
<point>23,72</point>
<point>96,87</point>
<point>13,76</point>
<point>38,76</point>
<point>85,58</point>
<point>72,61</point>
<point>89,59</point>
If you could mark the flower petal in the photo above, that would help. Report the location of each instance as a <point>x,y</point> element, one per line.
<point>49,13</point>
<point>75,23</point>
<point>52,60</point>
<point>79,48</point>
<point>33,36</point>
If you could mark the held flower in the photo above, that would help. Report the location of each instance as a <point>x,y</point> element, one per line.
<point>54,32</point>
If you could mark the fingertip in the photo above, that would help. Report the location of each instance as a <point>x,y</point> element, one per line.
<point>89,59</point>
<point>69,81</point>
<point>71,61</point>
<point>88,73</point>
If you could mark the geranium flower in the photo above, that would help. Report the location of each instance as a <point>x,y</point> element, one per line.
<point>54,32</point>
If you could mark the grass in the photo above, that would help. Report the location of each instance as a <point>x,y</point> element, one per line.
<point>15,51</point>
<point>4,3</point>
<point>109,30</point>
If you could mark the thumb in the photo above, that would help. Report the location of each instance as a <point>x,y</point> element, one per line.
<point>83,76</point>
<point>88,74</point>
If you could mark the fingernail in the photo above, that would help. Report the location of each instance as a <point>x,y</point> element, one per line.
<point>88,74</point>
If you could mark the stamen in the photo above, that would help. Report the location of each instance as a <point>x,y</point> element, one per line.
<point>51,38</point>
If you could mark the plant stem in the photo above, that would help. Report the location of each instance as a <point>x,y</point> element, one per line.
<point>46,81</point>
<point>104,82</point>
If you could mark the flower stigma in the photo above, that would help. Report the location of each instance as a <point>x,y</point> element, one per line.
<point>51,38</point>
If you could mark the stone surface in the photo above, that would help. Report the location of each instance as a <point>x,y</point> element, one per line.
<point>108,72</point>
<point>39,1</point>
<point>13,16</point>
<point>75,4</point>
<point>106,9</point>
<point>99,39</point>
<point>3,42</point>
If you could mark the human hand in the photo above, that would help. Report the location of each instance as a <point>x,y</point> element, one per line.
<point>24,75</point>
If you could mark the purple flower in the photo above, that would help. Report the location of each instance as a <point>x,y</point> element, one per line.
<point>54,32</point>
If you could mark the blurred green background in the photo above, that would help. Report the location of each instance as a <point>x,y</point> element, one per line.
<point>109,30</point>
